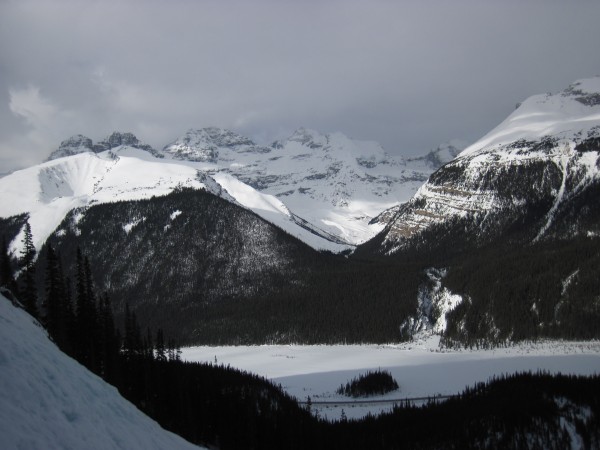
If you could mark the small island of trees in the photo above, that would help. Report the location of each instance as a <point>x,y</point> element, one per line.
<point>377,382</point>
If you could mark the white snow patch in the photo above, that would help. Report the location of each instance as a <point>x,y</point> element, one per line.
<point>129,226</point>
<point>174,214</point>
<point>567,282</point>
<point>420,368</point>
<point>433,303</point>
<point>49,401</point>
<point>563,164</point>
<point>559,115</point>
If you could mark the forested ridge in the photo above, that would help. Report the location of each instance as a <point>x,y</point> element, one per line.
<point>215,273</point>
<point>215,405</point>
<point>219,406</point>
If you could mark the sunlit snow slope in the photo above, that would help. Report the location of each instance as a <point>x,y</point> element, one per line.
<point>49,401</point>
<point>48,191</point>
<point>334,183</point>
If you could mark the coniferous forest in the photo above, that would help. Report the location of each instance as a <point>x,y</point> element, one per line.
<point>220,406</point>
<point>208,278</point>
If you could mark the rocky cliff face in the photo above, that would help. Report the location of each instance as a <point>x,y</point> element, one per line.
<point>72,146</point>
<point>210,144</point>
<point>81,144</point>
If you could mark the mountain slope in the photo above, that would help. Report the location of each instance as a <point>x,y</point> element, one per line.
<point>176,257</point>
<point>512,224</point>
<point>520,177</point>
<point>48,400</point>
<point>49,191</point>
<point>330,181</point>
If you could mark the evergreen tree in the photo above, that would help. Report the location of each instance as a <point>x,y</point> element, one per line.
<point>29,290</point>
<point>108,340</point>
<point>7,279</point>
<point>132,343</point>
<point>160,346</point>
<point>86,326</point>
<point>53,314</point>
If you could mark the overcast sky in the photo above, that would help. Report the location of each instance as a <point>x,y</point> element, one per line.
<point>408,74</point>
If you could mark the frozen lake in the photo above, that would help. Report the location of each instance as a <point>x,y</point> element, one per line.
<point>420,368</point>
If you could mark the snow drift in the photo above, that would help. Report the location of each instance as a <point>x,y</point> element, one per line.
<point>49,401</point>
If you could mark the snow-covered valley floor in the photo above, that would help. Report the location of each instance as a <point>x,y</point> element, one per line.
<point>420,368</point>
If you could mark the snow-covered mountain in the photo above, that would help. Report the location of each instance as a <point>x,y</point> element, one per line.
<point>50,401</point>
<point>534,165</point>
<point>322,189</point>
<point>509,229</point>
<point>327,181</point>
<point>121,169</point>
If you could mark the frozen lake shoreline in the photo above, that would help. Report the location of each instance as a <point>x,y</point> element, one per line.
<point>420,368</point>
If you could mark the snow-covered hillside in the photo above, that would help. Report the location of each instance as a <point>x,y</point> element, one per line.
<point>570,115</point>
<point>49,401</point>
<point>544,155</point>
<point>50,190</point>
<point>334,183</point>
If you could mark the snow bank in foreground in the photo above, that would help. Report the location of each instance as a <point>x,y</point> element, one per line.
<point>49,401</point>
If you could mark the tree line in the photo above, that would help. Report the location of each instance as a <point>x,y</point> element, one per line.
<point>230,409</point>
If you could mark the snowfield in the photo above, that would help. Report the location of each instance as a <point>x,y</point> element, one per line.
<point>420,368</point>
<point>49,401</point>
<point>50,190</point>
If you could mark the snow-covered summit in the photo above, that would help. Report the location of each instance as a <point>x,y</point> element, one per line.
<point>335,183</point>
<point>535,164</point>
<point>49,191</point>
<point>323,187</point>
<point>203,145</point>
<point>49,401</point>
<point>571,114</point>
<point>306,137</point>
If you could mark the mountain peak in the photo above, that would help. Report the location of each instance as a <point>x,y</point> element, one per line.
<point>80,144</point>
<point>203,144</point>
<point>72,146</point>
<point>585,91</point>
<point>117,139</point>
<point>568,115</point>
<point>307,137</point>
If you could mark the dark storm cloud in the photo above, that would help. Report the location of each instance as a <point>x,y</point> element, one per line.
<point>407,74</point>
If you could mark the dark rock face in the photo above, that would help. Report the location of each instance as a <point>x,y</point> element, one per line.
<point>72,146</point>
<point>81,144</point>
<point>203,145</point>
<point>117,139</point>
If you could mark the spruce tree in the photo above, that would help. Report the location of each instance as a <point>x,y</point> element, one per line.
<point>29,290</point>
<point>160,346</point>
<point>7,279</point>
<point>132,343</point>
<point>109,344</point>
<point>86,327</point>
<point>52,302</point>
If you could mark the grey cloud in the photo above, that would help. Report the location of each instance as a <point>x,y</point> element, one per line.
<point>407,74</point>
